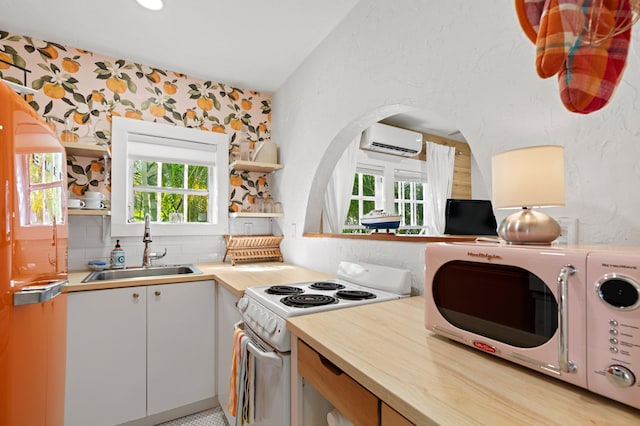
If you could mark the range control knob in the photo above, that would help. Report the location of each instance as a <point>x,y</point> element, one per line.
<point>242,304</point>
<point>271,325</point>
<point>620,376</point>
<point>251,311</point>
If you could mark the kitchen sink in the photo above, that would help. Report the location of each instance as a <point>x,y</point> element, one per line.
<point>140,272</point>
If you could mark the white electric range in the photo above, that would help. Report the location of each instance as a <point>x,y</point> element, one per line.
<point>265,309</point>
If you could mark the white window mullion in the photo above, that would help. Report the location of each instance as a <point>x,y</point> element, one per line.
<point>360,195</point>
<point>158,194</point>
<point>185,180</point>
<point>412,188</point>
<point>172,190</point>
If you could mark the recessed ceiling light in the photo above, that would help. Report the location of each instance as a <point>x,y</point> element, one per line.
<point>151,4</point>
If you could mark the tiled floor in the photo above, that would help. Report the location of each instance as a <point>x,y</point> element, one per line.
<point>213,417</point>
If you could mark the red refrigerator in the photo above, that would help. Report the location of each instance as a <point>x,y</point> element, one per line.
<point>33,267</point>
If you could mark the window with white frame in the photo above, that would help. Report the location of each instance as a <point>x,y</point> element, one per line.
<point>172,192</point>
<point>409,203</point>
<point>393,184</point>
<point>363,198</point>
<point>179,176</point>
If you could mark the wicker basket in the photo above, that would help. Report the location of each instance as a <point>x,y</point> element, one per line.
<point>253,248</point>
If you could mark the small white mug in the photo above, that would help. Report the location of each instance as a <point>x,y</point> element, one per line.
<point>75,203</point>
<point>94,204</point>
<point>93,195</point>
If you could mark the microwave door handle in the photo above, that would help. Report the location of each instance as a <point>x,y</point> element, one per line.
<point>566,366</point>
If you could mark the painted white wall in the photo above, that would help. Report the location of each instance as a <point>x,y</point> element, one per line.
<point>471,63</point>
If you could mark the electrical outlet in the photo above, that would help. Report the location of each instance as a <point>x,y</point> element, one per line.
<point>568,230</point>
<point>248,228</point>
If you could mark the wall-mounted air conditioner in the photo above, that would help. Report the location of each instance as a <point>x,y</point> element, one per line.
<point>391,140</point>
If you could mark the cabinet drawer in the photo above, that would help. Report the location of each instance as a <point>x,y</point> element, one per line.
<point>350,398</point>
<point>390,417</point>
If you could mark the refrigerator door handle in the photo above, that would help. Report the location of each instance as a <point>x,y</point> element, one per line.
<point>38,293</point>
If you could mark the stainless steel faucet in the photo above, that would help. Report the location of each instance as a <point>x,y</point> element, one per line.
<point>147,256</point>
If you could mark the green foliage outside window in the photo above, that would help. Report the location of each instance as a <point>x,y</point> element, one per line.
<point>161,189</point>
<point>366,188</point>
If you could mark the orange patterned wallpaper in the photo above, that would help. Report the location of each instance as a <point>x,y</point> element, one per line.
<point>79,91</point>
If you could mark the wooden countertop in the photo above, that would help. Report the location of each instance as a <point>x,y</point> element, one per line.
<point>235,278</point>
<point>429,379</point>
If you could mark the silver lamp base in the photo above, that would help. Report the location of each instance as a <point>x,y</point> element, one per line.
<point>529,227</point>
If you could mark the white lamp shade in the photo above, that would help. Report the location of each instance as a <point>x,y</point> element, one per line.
<point>151,4</point>
<point>528,177</point>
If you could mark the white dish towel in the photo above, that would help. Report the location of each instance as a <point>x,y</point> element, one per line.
<point>335,418</point>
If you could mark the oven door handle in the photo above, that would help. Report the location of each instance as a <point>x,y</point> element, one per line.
<point>269,357</point>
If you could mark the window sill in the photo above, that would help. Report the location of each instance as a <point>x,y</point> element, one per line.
<point>383,236</point>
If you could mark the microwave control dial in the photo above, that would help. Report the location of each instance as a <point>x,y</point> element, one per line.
<point>620,376</point>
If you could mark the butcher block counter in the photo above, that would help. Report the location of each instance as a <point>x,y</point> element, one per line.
<point>431,380</point>
<point>235,278</point>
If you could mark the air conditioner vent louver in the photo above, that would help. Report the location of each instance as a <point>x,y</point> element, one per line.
<point>394,148</point>
<point>391,140</point>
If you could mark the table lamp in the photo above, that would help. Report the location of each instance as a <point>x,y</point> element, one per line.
<point>526,178</point>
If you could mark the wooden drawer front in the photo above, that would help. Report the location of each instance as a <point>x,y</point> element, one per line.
<point>350,398</point>
<point>391,417</point>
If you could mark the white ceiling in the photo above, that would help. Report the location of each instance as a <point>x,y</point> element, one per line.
<point>252,44</point>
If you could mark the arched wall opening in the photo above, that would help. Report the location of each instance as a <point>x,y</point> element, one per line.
<point>313,214</point>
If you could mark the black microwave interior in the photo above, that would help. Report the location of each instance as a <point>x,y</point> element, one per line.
<point>501,302</point>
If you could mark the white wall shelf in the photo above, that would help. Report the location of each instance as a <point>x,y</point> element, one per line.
<point>86,149</point>
<point>88,212</point>
<point>253,166</point>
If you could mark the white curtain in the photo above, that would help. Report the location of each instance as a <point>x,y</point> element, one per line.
<point>440,160</point>
<point>339,188</point>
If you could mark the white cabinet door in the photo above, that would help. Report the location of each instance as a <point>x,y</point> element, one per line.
<point>180,344</point>
<point>228,315</point>
<point>106,357</point>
